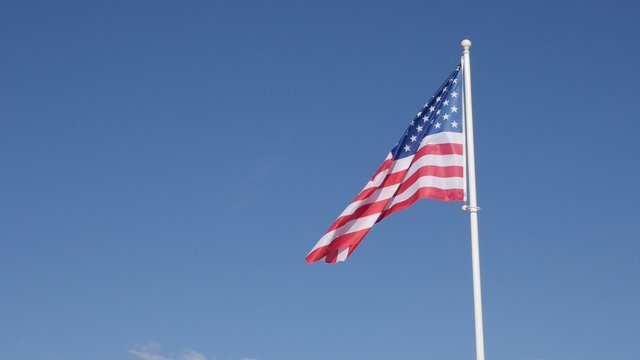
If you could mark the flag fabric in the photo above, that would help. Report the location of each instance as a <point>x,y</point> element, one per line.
<point>427,163</point>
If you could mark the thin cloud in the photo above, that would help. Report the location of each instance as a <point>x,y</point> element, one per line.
<point>147,356</point>
<point>151,351</point>
<point>192,355</point>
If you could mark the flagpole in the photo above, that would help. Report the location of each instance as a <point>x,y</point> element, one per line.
<point>472,208</point>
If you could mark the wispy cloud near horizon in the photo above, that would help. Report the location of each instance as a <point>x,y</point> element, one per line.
<point>153,351</point>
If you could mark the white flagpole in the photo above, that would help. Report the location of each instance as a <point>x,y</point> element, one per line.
<point>472,207</point>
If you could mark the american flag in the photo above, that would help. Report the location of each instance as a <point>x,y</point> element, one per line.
<point>427,163</point>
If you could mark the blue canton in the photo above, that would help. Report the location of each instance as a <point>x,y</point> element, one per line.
<point>443,112</point>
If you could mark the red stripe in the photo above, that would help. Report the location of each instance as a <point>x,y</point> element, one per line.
<point>339,243</point>
<point>378,206</point>
<point>331,257</point>
<point>426,193</point>
<point>395,178</point>
<point>352,240</point>
<point>330,251</point>
<point>362,211</point>
<point>437,171</point>
<point>439,149</point>
<point>385,165</point>
<point>391,179</point>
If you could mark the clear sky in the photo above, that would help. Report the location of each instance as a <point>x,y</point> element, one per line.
<point>166,166</point>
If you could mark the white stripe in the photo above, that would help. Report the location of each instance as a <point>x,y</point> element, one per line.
<point>397,166</point>
<point>444,137</point>
<point>342,254</point>
<point>435,160</point>
<point>380,194</point>
<point>351,226</point>
<point>388,191</point>
<point>428,181</point>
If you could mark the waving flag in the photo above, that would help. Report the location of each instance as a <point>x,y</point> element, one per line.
<point>427,163</point>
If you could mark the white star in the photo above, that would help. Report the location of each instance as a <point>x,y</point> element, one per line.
<point>437,125</point>
<point>431,109</point>
<point>446,102</point>
<point>455,81</point>
<point>438,112</point>
<point>425,118</point>
<point>413,138</point>
<point>454,94</point>
<point>412,123</point>
<point>446,116</point>
<point>454,124</point>
<point>419,113</point>
<point>419,128</point>
<point>407,148</point>
<point>445,89</point>
<point>438,98</point>
<point>454,109</point>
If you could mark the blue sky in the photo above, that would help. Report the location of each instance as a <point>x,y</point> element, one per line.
<point>166,166</point>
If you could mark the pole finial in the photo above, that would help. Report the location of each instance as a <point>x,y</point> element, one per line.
<point>466,44</point>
